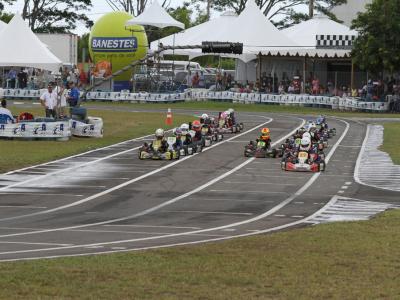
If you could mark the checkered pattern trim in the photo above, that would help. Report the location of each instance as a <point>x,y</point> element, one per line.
<point>335,41</point>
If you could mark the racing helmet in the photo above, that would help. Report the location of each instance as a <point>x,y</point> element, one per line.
<point>301,131</point>
<point>223,115</point>
<point>231,110</point>
<point>204,116</point>
<point>178,131</point>
<point>307,134</point>
<point>196,125</point>
<point>265,134</point>
<point>159,133</point>
<point>305,142</point>
<point>184,128</point>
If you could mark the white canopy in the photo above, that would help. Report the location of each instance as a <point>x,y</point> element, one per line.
<point>2,25</point>
<point>22,48</point>
<point>251,28</point>
<point>156,16</point>
<point>305,33</point>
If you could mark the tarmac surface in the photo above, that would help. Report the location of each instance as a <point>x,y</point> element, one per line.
<point>107,200</point>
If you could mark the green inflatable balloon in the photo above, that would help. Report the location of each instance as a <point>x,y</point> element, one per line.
<point>112,46</point>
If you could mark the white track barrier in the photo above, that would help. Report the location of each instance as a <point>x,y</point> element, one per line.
<point>350,104</point>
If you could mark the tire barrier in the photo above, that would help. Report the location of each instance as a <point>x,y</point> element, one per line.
<point>356,104</point>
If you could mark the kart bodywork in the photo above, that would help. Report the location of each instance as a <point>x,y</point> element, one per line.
<point>305,162</point>
<point>259,150</point>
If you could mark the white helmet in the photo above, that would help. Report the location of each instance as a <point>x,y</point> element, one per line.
<point>160,132</point>
<point>306,135</point>
<point>305,141</point>
<point>185,128</point>
<point>231,110</point>
<point>204,116</point>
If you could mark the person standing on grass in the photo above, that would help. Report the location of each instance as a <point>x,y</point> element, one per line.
<point>49,102</point>
<point>5,114</point>
<point>73,97</point>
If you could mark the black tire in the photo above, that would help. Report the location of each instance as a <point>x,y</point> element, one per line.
<point>140,155</point>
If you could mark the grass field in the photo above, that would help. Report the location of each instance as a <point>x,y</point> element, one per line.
<point>118,126</point>
<point>353,260</point>
<point>392,141</point>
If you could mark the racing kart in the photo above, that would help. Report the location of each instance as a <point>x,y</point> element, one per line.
<point>224,127</point>
<point>304,162</point>
<point>259,150</point>
<point>210,135</point>
<point>189,148</point>
<point>147,151</point>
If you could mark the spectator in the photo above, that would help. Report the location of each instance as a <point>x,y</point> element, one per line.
<point>73,97</point>
<point>31,84</point>
<point>22,79</point>
<point>49,102</point>
<point>196,80</point>
<point>315,86</point>
<point>281,89</point>
<point>61,93</point>
<point>11,78</point>
<point>229,80</point>
<point>202,80</point>
<point>5,114</point>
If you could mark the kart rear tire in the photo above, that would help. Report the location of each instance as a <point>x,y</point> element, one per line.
<point>241,125</point>
<point>140,155</point>
<point>283,166</point>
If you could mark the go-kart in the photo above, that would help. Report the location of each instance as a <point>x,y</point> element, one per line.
<point>259,150</point>
<point>210,135</point>
<point>84,126</point>
<point>304,162</point>
<point>147,151</point>
<point>228,127</point>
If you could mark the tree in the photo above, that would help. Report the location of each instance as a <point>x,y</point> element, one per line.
<point>276,9</point>
<point>377,47</point>
<point>56,16</point>
<point>134,7</point>
<point>6,17</point>
<point>2,2</point>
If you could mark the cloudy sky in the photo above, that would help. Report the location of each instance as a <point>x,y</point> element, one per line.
<point>99,8</point>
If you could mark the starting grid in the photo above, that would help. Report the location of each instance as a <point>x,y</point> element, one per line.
<point>336,103</point>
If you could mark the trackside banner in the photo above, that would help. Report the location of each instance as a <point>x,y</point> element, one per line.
<point>36,130</point>
<point>108,44</point>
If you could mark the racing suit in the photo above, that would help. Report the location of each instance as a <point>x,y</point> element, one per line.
<point>159,145</point>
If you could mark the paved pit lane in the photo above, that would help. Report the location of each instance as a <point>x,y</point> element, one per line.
<point>108,201</point>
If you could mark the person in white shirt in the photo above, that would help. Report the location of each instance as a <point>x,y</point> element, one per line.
<point>5,114</point>
<point>49,102</point>
<point>61,96</point>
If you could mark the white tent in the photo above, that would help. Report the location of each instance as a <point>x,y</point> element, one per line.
<point>251,28</point>
<point>156,16</point>
<point>2,25</point>
<point>305,35</point>
<point>22,48</point>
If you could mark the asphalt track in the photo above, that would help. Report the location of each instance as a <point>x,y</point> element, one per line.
<point>107,200</point>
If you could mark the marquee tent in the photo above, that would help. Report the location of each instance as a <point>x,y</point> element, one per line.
<point>335,36</point>
<point>251,28</point>
<point>22,48</point>
<point>2,25</point>
<point>156,16</point>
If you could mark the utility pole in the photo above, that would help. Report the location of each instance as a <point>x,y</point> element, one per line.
<point>209,4</point>
<point>311,9</point>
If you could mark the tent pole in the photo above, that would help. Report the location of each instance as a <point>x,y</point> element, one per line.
<point>304,75</point>
<point>259,70</point>
<point>352,76</point>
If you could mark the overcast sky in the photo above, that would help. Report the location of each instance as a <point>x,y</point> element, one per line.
<point>100,7</point>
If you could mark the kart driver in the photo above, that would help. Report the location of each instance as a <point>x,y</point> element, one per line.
<point>178,135</point>
<point>266,137</point>
<point>196,127</point>
<point>160,143</point>
<point>186,136</point>
<point>205,119</point>
<point>305,144</point>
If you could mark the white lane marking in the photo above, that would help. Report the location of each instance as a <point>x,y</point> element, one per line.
<point>297,217</point>
<point>232,200</point>
<point>341,192</point>
<point>151,226</point>
<point>246,191</point>
<point>280,216</point>
<point>118,248</point>
<point>77,155</point>
<point>374,167</point>
<point>348,183</point>
<point>39,194</point>
<point>344,187</point>
<point>262,183</point>
<point>34,243</point>
<point>22,206</point>
<point>108,191</point>
<point>207,212</point>
<point>349,209</point>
